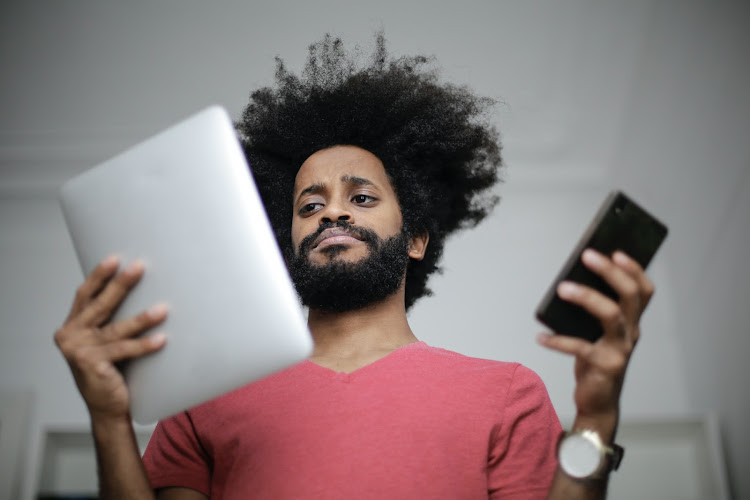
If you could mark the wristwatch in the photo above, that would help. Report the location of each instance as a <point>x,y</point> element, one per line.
<point>582,455</point>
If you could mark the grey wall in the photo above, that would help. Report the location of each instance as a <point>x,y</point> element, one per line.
<point>647,95</point>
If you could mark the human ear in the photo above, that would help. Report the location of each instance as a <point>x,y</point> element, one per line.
<point>418,245</point>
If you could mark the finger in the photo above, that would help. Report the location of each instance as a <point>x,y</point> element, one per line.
<point>606,310</point>
<point>93,284</point>
<point>634,269</point>
<point>565,344</point>
<point>103,306</point>
<point>611,361</point>
<point>624,285</point>
<point>133,326</point>
<point>133,348</point>
<point>100,360</point>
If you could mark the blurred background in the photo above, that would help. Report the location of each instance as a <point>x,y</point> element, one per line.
<point>648,96</point>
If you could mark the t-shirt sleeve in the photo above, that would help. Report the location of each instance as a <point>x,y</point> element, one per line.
<point>522,459</point>
<point>175,457</point>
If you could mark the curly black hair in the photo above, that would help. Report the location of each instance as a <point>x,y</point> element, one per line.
<point>435,140</point>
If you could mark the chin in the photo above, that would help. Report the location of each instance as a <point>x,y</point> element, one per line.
<point>337,252</point>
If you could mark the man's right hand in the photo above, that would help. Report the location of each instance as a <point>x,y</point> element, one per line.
<point>92,344</point>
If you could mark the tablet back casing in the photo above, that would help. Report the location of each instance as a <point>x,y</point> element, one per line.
<point>184,202</point>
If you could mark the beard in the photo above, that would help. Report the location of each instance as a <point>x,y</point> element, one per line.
<point>339,286</point>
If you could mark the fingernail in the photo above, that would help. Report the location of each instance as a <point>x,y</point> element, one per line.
<point>110,260</point>
<point>567,289</point>
<point>620,257</point>
<point>157,338</point>
<point>135,266</point>
<point>592,257</point>
<point>157,311</point>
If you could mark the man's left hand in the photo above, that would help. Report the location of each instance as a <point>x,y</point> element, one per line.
<point>600,366</point>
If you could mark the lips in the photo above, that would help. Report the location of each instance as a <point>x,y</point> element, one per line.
<point>335,236</point>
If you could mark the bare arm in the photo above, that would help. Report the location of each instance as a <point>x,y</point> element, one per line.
<point>121,472</point>
<point>92,345</point>
<point>600,367</point>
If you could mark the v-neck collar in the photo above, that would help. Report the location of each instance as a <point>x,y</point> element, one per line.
<point>329,373</point>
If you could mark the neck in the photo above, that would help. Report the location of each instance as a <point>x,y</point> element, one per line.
<point>345,341</point>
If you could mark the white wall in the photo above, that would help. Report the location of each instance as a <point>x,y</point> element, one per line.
<point>686,146</point>
<point>642,94</point>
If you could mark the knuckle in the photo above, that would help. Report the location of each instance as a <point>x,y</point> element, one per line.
<point>60,337</point>
<point>615,363</point>
<point>142,320</point>
<point>102,368</point>
<point>584,293</point>
<point>120,280</point>
<point>612,314</point>
<point>113,330</point>
<point>124,348</point>
<point>120,349</point>
<point>64,338</point>
<point>141,346</point>
<point>128,327</point>
<point>586,351</point>
<point>99,307</point>
<point>82,357</point>
<point>133,348</point>
<point>607,266</point>
<point>629,289</point>
<point>618,364</point>
<point>126,279</point>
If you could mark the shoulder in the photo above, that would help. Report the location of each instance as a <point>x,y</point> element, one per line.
<point>506,390</point>
<point>452,360</point>
<point>446,363</point>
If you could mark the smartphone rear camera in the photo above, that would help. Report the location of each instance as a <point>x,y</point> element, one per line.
<point>620,207</point>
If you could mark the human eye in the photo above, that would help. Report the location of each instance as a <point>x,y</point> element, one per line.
<point>363,199</point>
<point>309,208</point>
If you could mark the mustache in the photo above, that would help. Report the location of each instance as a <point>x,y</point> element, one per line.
<point>367,235</point>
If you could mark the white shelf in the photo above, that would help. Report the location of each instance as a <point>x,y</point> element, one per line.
<point>670,458</point>
<point>69,462</point>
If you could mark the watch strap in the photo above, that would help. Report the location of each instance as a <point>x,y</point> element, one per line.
<point>615,452</point>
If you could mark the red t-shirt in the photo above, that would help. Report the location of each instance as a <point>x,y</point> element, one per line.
<point>421,422</point>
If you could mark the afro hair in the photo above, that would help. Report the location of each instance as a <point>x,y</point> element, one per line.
<point>434,139</point>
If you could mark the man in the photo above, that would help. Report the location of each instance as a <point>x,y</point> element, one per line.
<point>364,172</point>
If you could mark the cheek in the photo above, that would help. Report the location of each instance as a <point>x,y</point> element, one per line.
<point>396,218</point>
<point>296,236</point>
<point>301,228</point>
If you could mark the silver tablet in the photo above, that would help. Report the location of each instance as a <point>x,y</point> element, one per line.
<point>185,203</point>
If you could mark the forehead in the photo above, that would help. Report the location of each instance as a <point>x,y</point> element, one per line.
<point>339,163</point>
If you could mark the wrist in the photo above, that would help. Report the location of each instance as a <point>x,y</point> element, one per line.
<point>107,425</point>
<point>604,424</point>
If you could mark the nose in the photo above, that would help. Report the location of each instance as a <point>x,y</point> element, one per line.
<point>335,211</point>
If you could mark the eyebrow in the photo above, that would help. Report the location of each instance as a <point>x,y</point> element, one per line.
<point>346,179</point>
<point>313,188</point>
<point>359,181</point>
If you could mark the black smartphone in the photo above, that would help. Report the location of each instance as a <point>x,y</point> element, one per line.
<point>619,224</point>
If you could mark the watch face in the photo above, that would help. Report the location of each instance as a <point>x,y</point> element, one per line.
<point>579,456</point>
